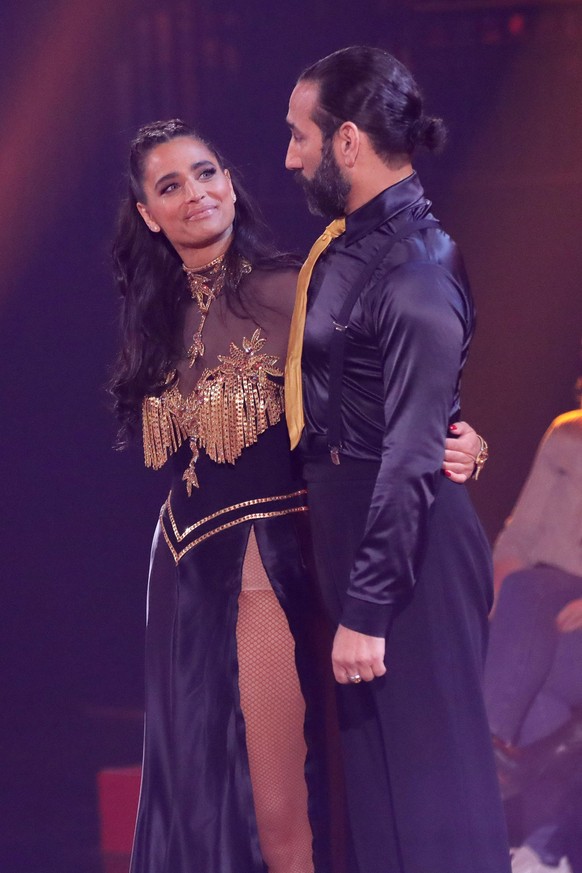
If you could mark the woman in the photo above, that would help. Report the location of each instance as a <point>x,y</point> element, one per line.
<point>206,310</point>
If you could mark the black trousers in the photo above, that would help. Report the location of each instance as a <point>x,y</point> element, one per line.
<point>421,784</point>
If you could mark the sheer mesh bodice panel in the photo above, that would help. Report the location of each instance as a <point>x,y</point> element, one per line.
<point>268,297</point>
<point>232,391</point>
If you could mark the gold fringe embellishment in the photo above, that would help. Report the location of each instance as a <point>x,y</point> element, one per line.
<point>163,432</point>
<point>226,412</point>
<point>238,400</point>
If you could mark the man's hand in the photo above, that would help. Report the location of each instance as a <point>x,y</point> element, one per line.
<point>460,453</point>
<point>356,654</point>
<point>570,617</point>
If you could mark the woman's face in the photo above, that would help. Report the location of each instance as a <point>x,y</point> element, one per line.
<point>189,198</point>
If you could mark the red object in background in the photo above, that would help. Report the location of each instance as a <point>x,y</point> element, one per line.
<point>118,789</point>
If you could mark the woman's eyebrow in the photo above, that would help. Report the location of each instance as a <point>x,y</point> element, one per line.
<point>174,173</point>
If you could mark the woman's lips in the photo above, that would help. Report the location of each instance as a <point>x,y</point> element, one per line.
<point>198,214</point>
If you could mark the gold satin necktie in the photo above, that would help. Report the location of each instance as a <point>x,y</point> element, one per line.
<point>293,385</point>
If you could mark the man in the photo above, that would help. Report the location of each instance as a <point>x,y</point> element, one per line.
<point>533,680</point>
<point>402,562</point>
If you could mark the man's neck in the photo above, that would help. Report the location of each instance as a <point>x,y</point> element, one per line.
<point>373,183</point>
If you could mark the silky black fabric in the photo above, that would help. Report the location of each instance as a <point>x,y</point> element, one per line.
<point>196,810</point>
<point>399,550</point>
<point>422,788</point>
<point>406,345</point>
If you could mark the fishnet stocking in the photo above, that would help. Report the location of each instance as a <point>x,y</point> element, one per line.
<point>273,710</point>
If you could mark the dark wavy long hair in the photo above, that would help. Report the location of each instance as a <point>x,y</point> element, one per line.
<point>148,273</point>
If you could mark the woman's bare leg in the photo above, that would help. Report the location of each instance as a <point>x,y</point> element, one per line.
<point>274,710</point>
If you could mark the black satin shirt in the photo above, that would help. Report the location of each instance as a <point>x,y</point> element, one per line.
<point>407,342</point>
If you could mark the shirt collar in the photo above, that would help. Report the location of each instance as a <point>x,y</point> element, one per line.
<point>383,207</point>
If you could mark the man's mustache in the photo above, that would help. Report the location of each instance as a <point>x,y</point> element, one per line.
<point>300,179</point>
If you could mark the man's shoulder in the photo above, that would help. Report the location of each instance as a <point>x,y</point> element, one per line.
<point>424,255</point>
<point>413,278</point>
<point>560,445</point>
<point>569,424</point>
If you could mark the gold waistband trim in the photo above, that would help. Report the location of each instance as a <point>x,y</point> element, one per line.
<point>178,555</point>
<point>256,502</point>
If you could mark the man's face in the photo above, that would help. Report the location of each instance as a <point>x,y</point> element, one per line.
<point>312,159</point>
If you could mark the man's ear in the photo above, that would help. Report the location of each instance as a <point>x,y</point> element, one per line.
<point>145,214</point>
<point>348,142</point>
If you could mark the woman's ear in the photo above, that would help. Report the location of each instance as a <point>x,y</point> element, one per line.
<point>145,214</point>
<point>232,191</point>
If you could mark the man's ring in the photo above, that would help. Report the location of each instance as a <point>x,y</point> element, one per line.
<point>355,678</point>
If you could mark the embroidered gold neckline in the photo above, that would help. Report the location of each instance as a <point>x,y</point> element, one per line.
<point>205,284</point>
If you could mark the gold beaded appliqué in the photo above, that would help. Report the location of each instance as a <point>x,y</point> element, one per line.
<point>226,412</point>
<point>250,510</point>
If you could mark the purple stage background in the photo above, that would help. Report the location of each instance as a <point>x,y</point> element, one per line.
<point>76,79</point>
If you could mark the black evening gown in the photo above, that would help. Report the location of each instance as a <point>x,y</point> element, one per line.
<point>234,779</point>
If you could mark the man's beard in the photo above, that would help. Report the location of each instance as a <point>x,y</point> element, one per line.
<point>327,192</point>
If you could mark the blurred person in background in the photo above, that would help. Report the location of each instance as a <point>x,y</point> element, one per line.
<point>533,675</point>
